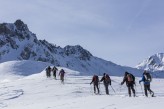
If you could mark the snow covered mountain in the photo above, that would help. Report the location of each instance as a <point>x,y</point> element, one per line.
<point>153,63</point>
<point>17,42</point>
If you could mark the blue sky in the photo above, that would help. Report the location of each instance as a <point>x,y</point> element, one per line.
<point>122,31</point>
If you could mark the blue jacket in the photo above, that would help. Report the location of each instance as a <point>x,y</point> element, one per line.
<point>143,80</point>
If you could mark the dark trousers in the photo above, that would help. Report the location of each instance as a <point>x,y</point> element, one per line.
<point>131,87</point>
<point>54,74</point>
<point>147,88</point>
<point>106,88</point>
<point>96,87</point>
<point>48,73</point>
<point>62,78</point>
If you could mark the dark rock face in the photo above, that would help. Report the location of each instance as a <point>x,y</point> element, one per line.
<point>78,51</point>
<point>16,36</point>
<point>4,30</point>
<point>20,25</point>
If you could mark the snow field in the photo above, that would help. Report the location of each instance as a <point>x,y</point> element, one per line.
<point>37,91</point>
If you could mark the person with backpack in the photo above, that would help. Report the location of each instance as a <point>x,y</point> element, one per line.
<point>61,74</point>
<point>48,71</point>
<point>146,78</point>
<point>54,70</point>
<point>130,81</point>
<point>95,81</point>
<point>107,81</point>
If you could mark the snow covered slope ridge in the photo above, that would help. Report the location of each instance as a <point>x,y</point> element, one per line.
<point>153,63</point>
<point>12,70</point>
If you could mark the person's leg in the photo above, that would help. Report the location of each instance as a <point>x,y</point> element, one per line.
<point>62,78</point>
<point>97,88</point>
<point>94,88</point>
<point>145,88</point>
<point>129,91</point>
<point>150,91</point>
<point>55,75</point>
<point>133,90</point>
<point>106,89</point>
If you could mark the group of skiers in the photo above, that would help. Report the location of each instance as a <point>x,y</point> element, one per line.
<point>130,82</point>
<point>128,78</point>
<point>54,71</point>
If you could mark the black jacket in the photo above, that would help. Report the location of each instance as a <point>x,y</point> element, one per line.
<point>104,80</point>
<point>126,80</point>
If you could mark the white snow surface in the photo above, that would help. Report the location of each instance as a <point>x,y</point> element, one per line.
<point>16,69</point>
<point>38,92</point>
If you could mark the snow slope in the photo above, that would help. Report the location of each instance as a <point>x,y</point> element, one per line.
<point>16,69</point>
<point>38,92</point>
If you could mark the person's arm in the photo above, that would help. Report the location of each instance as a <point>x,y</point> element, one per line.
<point>92,81</point>
<point>102,79</point>
<point>141,79</point>
<point>123,80</point>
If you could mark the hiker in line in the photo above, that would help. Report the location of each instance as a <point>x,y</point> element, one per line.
<point>95,81</point>
<point>146,78</point>
<point>54,70</point>
<point>107,81</point>
<point>48,71</point>
<point>130,81</point>
<point>61,74</point>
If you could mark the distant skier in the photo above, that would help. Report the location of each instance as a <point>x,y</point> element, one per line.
<point>146,78</point>
<point>107,81</point>
<point>61,74</point>
<point>130,81</point>
<point>48,71</point>
<point>54,70</point>
<point>95,81</point>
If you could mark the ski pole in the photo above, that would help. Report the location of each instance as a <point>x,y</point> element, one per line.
<point>91,89</point>
<point>142,90</point>
<point>99,88</point>
<point>113,89</point>
<point>135,88</point>
<point>120,88</point>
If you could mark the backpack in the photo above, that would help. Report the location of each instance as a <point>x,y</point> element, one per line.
<point>148,77</point>
<point>107,78</point>
<point>130,78</point>
<point>62,72</point>
<point>95,78</point>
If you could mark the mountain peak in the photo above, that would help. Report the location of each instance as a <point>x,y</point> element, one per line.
<point>20,25</point>
<point>78,51</point>
<point>19,22</point>
<point>153,63</point>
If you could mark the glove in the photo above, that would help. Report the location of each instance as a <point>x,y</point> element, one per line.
<point>139,82</point>
<point>134,83</point>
